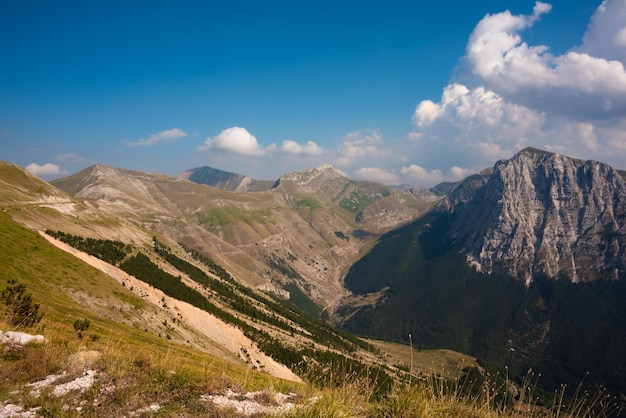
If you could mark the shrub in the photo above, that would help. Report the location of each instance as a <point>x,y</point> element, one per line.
<point>81,326</point>
<point>23,312</point>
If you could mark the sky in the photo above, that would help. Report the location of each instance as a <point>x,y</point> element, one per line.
<point>395,91</point>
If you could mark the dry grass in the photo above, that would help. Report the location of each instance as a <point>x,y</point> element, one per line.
<point>137,381</point>
<point>439,397</point>
<point>158,380</point>
<point>424,362</point>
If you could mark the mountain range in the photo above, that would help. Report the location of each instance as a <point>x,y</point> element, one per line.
<point>302,234</point>
<point>521,265</point>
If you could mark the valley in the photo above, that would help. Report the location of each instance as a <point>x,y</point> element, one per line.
<point>509,266</point>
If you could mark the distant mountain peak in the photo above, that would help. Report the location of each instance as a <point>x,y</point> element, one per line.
<point>536,151</point>
<point>310,176</point>
<point>325,167</point>
<point>225,180</point>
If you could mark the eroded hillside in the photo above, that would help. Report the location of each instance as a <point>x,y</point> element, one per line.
<point>302,235</point>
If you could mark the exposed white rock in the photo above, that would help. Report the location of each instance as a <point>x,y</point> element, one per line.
<point>543,213</point>
<point>15,411</point>
<point>19,338</point>
<point>253,403</point>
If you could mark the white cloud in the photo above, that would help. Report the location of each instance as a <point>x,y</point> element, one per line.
<point>358,145</point>
<point>620,37</point>
<point>479,125</point>
<point>427,112</point>
<point>606,33</point>
<point>458,173</point>
<point>376,174</point>
<point>517,95</point>
<point>421,175</point>
<point>292,147</point>
<point>163,137</point>
<point>47,169</point>
<point>576,84</point>
<point>236,140</point>
<point>495,49</point>
<point>479,119</point>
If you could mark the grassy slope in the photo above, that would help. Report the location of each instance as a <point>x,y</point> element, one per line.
<point>425,362</point>
<point>52,276</point>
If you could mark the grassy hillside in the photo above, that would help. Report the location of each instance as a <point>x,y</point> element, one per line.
<point>124,364</point>
<point>129,347</point>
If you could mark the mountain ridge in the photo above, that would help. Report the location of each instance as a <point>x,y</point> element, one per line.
<point>303,232</point>
<point>521,266</point>
<point>544,213</point>
<point>225,180</point>
<point>402,277</point>
<point>175,293</point>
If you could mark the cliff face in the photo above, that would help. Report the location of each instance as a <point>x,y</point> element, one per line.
<point>543,213</point>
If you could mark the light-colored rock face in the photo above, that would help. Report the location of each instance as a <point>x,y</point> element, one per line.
<point>543,213</point>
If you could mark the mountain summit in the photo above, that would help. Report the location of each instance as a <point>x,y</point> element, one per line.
<point>225,180</point>
<point>523,266</point>
<point>316,179</point>
<point>545,213</point>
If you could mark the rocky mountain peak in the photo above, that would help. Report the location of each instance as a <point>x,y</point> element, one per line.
<point>322,179</point>
<point>545,213</point>
<point>319,174</point>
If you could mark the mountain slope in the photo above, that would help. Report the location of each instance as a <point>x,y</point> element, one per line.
<point>225,180</point>
<point>302,235</point>
<point>175,292</point>
<point>554,222</point>
<point>543,213</point>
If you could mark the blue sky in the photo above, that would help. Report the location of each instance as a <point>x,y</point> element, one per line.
<point>397,91</point>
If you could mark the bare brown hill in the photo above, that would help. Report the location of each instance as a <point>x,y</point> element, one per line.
<point>301,235</point>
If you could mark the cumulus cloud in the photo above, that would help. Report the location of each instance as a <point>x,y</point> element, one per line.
<point>379,175</point>
<point>47,169</point>
<point>606,33</point>
<point>589,81</point>
<point>236,140</point>
<point>163,137</point>
<point>478,119</point>
<point>292,147</point>
<point>358,145</point>
<point>515,95</point>
<point>420,175</point>
<point>458,172</point>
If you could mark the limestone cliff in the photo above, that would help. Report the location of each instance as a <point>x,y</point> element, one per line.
<point>544,213</point>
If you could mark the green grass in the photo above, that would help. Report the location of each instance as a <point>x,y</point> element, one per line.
<point>146,366</point>
<point>438,361</point>
<point>219,217</point>
<point>19,178</point>
<point>308,203</point>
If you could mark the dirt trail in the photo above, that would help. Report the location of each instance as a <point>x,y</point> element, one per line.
<point>227,336</point>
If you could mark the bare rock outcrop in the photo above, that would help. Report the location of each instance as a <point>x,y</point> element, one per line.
<point>544,213</point>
